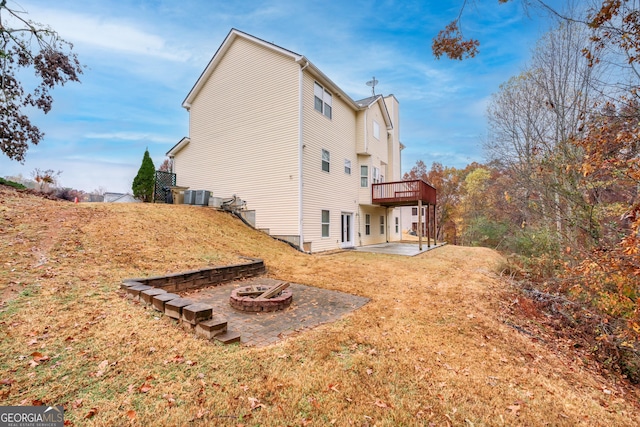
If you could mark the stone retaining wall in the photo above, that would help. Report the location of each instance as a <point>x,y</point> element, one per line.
<point>196,279</point>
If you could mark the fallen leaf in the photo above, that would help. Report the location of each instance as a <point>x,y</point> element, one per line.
<point>76,404</point>
<point>131,414</point>
<point>39,357</point>
<point>7,381</point>
<point>514,409</point>
<point>369,371</point>
<point>145,388</point>
<point>91,413</point>
<point>334,387</point>
<point>255,403</point>
<point>101,367</point>
<point>380,404</point>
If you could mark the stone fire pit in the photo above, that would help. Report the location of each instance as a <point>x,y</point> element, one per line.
<point>255,303</point>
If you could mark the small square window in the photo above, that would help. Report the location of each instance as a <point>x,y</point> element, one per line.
<point>325,223</point>
<point>325,160</point>
<point>376,130</point>
<point>414,211</point>
<point>347,166</point>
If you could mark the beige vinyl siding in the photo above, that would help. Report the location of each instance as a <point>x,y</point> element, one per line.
<point>334,191</point>
<point>244,135</point>
<point>395,166</point>
<point>360,133</point>
<point>375,236</point>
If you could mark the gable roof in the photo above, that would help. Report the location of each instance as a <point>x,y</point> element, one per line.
<point>368,102</point>
<point>300,59</point>
<point>179,146</point>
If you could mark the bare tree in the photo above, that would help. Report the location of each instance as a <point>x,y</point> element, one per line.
<point>25,44</point>
<point>534,119</point>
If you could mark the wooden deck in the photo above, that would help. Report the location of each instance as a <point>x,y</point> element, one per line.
<point>403,193</point>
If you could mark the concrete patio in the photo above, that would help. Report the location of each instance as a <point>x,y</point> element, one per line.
<point>404,249</point>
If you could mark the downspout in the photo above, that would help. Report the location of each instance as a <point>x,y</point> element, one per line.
<point>300,153</point>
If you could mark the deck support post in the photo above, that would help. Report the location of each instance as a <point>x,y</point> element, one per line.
<point>435,227</point>
<point>420,224</point>
<point>429,225</point>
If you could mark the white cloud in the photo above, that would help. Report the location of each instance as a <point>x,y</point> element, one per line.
<point>130,136</point>
<point>109,34</point>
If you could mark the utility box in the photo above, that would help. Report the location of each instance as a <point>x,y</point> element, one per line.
<point>202,197</point>
<point>177,194</point>
<point>189,197</point>
<point>215,202</point>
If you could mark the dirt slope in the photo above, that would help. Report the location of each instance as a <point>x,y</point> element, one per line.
<point>431,348</point>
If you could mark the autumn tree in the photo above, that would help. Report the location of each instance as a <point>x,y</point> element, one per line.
<point>144,182</point>
<point>447,184</point>
<point>167,165</point>
<point>26,45</point>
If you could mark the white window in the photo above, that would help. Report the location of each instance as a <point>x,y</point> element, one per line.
<point>376,175</point>
<point>414,211</point>
<point>325,223</point>
<point>367,224</point>
<point>325,160</point>
<point>364,176</point>
<point>381,224</point>
<point>347,166</point>
<point>322,100</point>
<point>376,130</point>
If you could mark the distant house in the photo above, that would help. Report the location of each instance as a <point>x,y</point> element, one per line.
<point>268,126</point>
<point>120,198</point>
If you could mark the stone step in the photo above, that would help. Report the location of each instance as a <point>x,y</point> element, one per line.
<point>212,327</point>
<point>228,337</point>
<point>173,308</point>
<point>147,296</point>
<point>196,313</point>
<point>160,300</point>
<point>134,291</point>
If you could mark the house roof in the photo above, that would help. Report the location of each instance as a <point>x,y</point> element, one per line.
<point>300,59</point>
<point>179,146</point>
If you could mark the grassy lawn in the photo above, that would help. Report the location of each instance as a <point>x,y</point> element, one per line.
<point>431,348</point>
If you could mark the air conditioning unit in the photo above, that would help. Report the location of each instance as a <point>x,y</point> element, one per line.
<point>202,197</point>
<point>189,197</point>
<point>215,202</point>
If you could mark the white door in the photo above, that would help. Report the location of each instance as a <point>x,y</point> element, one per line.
<point>347,230</point>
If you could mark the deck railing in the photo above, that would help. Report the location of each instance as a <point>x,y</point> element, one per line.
<point>400,193</point>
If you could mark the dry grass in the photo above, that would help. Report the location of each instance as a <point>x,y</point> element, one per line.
<point>429,349</point>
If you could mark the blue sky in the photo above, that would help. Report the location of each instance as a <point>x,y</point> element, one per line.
<point>143,57</point>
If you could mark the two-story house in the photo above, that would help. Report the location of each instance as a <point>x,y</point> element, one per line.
<point>267,125</point>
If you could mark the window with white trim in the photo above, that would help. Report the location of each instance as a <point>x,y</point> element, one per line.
<point>325,221</point>
<point>367,224</point>
<point>381,224</point>
<point>376,176</point>
<point>414,211</point>
<point>325,160</point>
<point>364,176</point>
<point>347,166</point>
<point>376,130</point>
<point>322,100</point>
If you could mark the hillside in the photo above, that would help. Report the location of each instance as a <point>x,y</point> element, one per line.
<point>432,346</point>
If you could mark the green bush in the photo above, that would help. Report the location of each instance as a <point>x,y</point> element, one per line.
<point>12,184</point>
